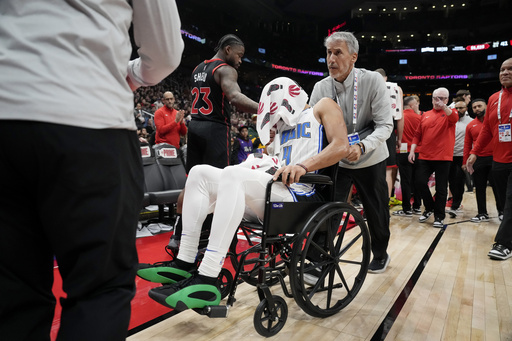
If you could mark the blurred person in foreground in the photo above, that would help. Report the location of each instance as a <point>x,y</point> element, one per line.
<point>81,169</point>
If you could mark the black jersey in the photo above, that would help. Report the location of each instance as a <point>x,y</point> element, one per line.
<point>209,103</point>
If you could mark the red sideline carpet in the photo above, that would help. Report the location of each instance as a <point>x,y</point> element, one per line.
<point>150,249</point>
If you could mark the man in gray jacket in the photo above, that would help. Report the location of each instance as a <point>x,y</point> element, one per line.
<point>363,97</point>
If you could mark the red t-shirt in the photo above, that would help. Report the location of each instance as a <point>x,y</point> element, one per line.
<point>436,135</point>
<point>167,130</point>
<point>472,131</point>
<point>411,123</point>
<point>502,150</point>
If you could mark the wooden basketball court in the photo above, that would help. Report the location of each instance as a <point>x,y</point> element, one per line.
<point>440,285</point>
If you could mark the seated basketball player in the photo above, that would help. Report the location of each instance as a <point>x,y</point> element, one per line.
<point>235,190</point>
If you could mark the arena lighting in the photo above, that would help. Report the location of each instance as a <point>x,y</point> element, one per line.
<point>442,49</point>
<point>492,57</point>
<point>477,47</point>
<point>427,49</point>
<point>321,60</point>
<point>262,50</point>
<point>295,70</point>
<point>402,61</point>
<point>193,37</point>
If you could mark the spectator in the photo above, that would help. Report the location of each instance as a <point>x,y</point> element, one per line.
<point>456,176</point>
<point>364,100</point>
<point>253,132</point>
<point>407,170</point>
<point>436,135</point>
<point>242,146</point>
<point>483,164</point>
<point>169,122</point>
<point>64,52</point>
<point>138,113</point>
<point>417,108</point>
<point>496,130</point>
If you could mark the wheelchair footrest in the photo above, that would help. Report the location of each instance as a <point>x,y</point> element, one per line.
<point>214,311</point>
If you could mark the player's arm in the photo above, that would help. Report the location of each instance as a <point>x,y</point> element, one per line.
<point>228,77</point>
<point>329,114</point>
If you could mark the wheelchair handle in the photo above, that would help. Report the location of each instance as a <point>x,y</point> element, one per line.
<point>309,178</point>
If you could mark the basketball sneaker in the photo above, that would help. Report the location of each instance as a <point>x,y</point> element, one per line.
<point>424,217</point>
<point>499,252</point>
<point>192,293</point>
<point>480,217</point>
<point>379,265</point>
<point>166,272</point>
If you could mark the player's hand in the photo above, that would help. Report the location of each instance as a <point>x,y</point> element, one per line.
<point>289,174</point>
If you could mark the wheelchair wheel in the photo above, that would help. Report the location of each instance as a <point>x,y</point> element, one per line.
<point>225,280</point>
<point>268,323</point>
<point>330,259</point>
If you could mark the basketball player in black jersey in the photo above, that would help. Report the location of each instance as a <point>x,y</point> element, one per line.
<point>214,91</point>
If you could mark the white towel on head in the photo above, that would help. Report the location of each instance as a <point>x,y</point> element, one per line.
<point>282,98</point>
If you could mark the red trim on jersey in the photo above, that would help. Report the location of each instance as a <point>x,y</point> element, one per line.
<point>218,66</point>
<point>212,60</point>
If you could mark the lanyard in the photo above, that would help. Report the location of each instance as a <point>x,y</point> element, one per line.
<point>499,108</point>
<point>354,115</point>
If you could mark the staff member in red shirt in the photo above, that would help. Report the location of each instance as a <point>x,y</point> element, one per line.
<point>436,135</point>
<point>406,169</point>
<point>169,122</point>
<point>483,165</point>
<point>496,130</point>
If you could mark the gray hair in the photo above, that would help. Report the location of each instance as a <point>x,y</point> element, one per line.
<point>441,90</point>
<point>347,37</point>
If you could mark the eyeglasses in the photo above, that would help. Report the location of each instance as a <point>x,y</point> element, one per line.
<point>440,98</point>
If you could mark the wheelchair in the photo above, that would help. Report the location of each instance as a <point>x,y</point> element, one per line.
<point>329,239</point>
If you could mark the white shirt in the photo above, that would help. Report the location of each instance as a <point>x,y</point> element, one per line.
<point>66,62</point>
<point>460,133</point>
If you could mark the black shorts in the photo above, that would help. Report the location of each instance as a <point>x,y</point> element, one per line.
<point>208,143</point>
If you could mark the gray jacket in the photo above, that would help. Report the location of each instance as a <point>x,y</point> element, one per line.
<point>373,111</point>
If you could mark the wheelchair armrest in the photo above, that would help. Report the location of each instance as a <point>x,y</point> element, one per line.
<point>311,178</point>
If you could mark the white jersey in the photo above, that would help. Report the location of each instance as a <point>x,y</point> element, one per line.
<point>395,100</point>
<point>298,144</point>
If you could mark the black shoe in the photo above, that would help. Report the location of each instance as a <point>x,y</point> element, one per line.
<point>480,217</point>
<point>438,222</point>
<point>403,213</point>
<point>192,293</point>
<point>424,217</point>
<point>379,265</point>
<point>166,272</point>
